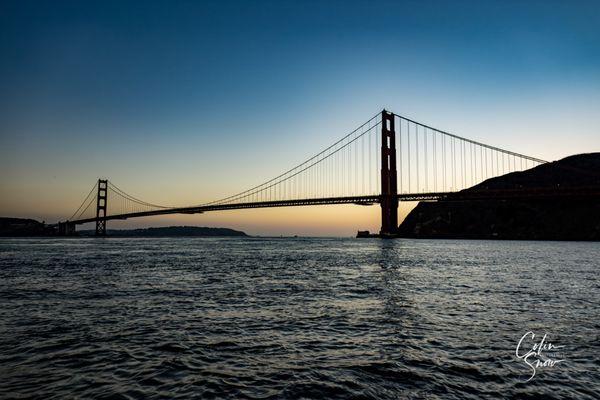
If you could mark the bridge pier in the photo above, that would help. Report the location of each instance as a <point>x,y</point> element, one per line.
<point>389,185</point>
<point>66,229</point>
<point>101,207</point>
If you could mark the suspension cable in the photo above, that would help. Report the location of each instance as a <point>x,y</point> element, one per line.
<point>84,202</point>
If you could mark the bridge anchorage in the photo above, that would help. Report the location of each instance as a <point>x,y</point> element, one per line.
<point>386,160</point>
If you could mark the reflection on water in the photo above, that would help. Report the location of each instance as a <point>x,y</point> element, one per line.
<point>291,318</point>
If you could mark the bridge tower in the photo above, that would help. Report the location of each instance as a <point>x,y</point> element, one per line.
<point>101,207</point>
<point>389,183</point>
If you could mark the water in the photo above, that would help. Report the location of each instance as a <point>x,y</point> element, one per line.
<point>295,318</point>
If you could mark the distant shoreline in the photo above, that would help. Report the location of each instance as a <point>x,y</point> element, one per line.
<point>22,227</point>
<point>170,231</point>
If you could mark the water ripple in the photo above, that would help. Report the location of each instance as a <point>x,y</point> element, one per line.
<point>256,318</point>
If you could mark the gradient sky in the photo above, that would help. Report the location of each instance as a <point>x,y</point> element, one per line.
<point>180,102</point>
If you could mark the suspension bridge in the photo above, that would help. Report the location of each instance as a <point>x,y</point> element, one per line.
<point>385,160</point>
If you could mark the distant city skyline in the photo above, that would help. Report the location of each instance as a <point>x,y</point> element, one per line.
<point>183,103</point>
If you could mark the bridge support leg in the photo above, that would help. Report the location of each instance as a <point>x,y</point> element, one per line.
<point>389,185</point>
<point>101,207</point>
<point>66,229</point>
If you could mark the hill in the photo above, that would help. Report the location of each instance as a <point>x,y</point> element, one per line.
<point>23,227</point>
<point>170,231</point>
<point>539,219</point>
<point>12,227</point>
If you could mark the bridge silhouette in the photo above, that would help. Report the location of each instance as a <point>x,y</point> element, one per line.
<point>387,159</point>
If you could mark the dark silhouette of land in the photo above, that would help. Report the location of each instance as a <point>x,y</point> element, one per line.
<point>17,227</point>
<point>525,219</point>
<point>24,227</point>
<point>170,231</point>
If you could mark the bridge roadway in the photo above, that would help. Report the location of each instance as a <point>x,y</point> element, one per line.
<point>469,194</point>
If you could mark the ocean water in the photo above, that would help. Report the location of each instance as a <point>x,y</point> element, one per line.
<point>297,318</point>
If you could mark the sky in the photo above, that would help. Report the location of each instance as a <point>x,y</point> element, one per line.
<point>184,102</point>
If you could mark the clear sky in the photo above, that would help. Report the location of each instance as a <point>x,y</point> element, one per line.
<point>181,102</point>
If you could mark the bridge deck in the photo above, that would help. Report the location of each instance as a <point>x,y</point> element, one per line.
<point>368,200</point>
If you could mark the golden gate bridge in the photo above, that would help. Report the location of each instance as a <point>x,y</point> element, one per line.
<point>387,159</point>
